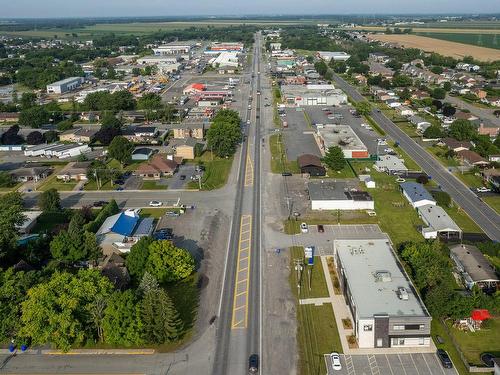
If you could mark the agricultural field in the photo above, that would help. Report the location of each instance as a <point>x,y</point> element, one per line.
<point>477,29</point>
<point>482,40</point>
<point>453,49</point>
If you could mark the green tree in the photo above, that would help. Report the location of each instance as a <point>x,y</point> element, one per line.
<point>49,200</point>
<point>438,93</point>
<point>160,319</point>
<point>122,323</point>
<point>11,215</point>
<point>224,133</point>
<point>121,149</point>
<point>401,80</point>
<point>28,100</point>
<point>334,158</point>
<point>59,311</point>
<point>462,130</point>
<point>442,198</point>
<point>149,102</point>
<point>148,283</point>
<point>447,86</point>
<point>437,69</point>
<point>168,263</point>
<point>64,125</point>
<point>363,108</point>
<point>321,67</point>
<point>34,117</point>
<point>137,258</point>
<point>6,179</point>
<point>433,132</point>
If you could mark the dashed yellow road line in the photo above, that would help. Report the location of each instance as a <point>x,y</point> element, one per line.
<point>240,297</point>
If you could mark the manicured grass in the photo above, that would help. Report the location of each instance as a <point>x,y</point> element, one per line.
<point>279,162</point>
<point>493,201</point>
<point>409,162</point>
<point>439,152</point>
<point>216,173</point>
<point>153,212</point>
<point>92,185</point>
<point>53,183</point>
<point>317,332</point>
<point>48,220</point>
<point>374,125</point>
<point>473,344</point>
<point>317,288</point>
<point>463,220</point>
<point>470,179</point>
<point>152,185</point>
<point>438,329</point>
<point>346,172</point>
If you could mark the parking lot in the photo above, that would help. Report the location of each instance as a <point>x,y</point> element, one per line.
<point>298,136</point>
<point>389,364</point>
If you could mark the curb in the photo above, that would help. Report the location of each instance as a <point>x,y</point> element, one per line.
<point>83,352</point>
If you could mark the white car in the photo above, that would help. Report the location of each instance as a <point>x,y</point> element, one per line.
<point>155,204</point>
<point>483,190</point>
<point>335,359</point>
<point>388,150</point>
<point>304,228</point>
<point>382,142</point>
<point>248,122</point>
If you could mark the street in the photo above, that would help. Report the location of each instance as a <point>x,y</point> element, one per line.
<point>484,216</point>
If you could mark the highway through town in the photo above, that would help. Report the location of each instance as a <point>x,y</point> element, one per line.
<point>239,321</point>
<point>484,216</point>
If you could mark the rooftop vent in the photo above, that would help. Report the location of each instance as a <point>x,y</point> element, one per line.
<point>402,293</point>
<point>382,276</point>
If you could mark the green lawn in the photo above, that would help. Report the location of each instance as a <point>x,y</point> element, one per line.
<point>48,220</point>
<point>317,287</point>
<point>9,189</point>
<point>470,179</point>
<point>473,344</point>
<point>92,185</point>
<point>216,172</point>
<point>463,220</point>
<point>152,185</point>
<point>438,329</point>
<point>493,201</point>
<point>439,152</point>
<point>154,212</point>
<point>346,172</point>
<point>279,162</point>
<point>409,162</point>
<point>53,183</point>
<point>317,332</point>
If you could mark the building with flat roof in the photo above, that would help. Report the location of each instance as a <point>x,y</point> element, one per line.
<point>175,48</point>
<point>439,223</point>
<point>300,95</point>
<point>387,311</point>
<point>336,56</point>
<point>338,195</point>
<point>344,137</point>
<point>416,194</point>
<point>65,85</point>
<point>227,59</point>
<point>474,268</point>
<point>390,164</point>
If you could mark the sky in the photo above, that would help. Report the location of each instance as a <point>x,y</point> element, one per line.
<point>124,8</point>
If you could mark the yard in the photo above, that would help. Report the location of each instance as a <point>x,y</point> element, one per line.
<point>53,183</point>
<point>279,162</point>
<point>317,330</point>
<point>493,201</point>
<point>216,173</point>
<point>153,185</point>
<point>49,220</point>
<point>439,153</point>
<point>463,220</point>
<point>470,179</point>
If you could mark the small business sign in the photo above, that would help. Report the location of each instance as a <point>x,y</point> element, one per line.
<point>309,255</point>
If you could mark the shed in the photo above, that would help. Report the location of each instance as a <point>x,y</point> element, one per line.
<point>311,165</point>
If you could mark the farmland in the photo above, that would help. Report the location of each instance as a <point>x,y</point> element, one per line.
<point>483,40</point>
<point>458,29</point>
<point>444,47</point>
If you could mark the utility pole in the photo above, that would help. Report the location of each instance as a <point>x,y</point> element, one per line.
<point>299,266</point>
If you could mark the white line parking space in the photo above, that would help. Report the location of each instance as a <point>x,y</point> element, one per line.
<point>389,364</point>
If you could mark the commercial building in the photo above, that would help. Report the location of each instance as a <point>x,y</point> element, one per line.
<point>336,56</point>
<point>439,223</point>
<point>191,128</point>
<point>226,59</point>
<point>311,165</point>
<point>387,311</point>
<point>338,195</point>
<point>65,85</point>
<point>416,194</point>
<point>324,95</point>
<point>57,150</point>
<point>158,60</point>
<point>79,135</point>
<point>175,48</point>
<point>344,137</point>
<point>474,268</point>
<point>390,164</point>
<point>217,47</point>
<point>157,168</point>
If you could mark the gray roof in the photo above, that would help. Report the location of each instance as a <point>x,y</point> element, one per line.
<point>66,81</point>
<point>437,219</point>
<point>364,263</point>
<point>145,227</point>
<point>327,190</point>
<point>391,163</point>
<point>417,192</point>
<point>474,263</point>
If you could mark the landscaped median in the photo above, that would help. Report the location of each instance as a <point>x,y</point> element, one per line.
<point>317,329</point>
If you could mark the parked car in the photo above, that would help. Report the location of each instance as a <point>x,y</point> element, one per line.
<point>119,188</point>
<point>172,214</point>
<point>100,203</point>
<point>335,359</point>
<point>304,228</point>
<point>483,189</point>
<point>182,177</point>
<point>286,174</point>
<point>155,204</point>
<point>388,150</point>
<point>321,228</point>
<point>444,358</point>
<point>253,364</point>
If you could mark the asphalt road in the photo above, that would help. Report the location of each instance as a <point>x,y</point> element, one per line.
<point>484,216</point>
<point>484,114</point>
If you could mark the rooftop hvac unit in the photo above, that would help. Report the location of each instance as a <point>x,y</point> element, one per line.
<point>402,293</point>
<point>382,276</point>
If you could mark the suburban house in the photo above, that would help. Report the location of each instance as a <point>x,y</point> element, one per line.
<point>311,165</point>
<point>120,232</point>
<point>453,144</point>
<point>492,177</point>
<point>390,164</point>
<point>34,174</point>
<point>439,223</point>
<point>156,168</point>
<point>338,195</point>
<point>405,111</point>
<point>30,220</point>
<point>113,267</point>
<point>74,171</point>
<point>416,194</point>
<point>472,158</point>
<point>79,135</point>
<point>419,122</point>
<point>492,130</point>
<point>474,268</point>
<point>379,57</point>
<point>386,310</point>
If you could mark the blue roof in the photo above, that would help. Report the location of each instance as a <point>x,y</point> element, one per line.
<point>145,227</point>
<point>417,192</point>
<point>125,224</point>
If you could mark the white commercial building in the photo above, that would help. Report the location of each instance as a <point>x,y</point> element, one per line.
<point>65,85</point>
<point>338,195</point>
<point>344,137</point>
<point>57,150</point>
<point>300,95</point>
<point>336,56</point>
<point>174,48</point>
<point>390,164</point>
<point>226,59</point>
<point>387,311</point>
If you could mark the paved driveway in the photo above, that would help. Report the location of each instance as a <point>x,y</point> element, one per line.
<point>298,136</point>
<point>390,364</point>
<point>184,170</point>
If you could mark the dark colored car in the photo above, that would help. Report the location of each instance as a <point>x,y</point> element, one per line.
<point>321,228</point>
<point>119,182</point>
<point>253,364</point>
<point>119,189</point>
<point>182,177</point>
<point>444,358</point>
<point>286,174</point>
<point>100,203</point>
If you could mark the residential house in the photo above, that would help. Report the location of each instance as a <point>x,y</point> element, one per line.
<point>472,158</point>
<point>79,135</point>
<point>419,122</point>
<point>481,94</point>
<point>492,177</point>
<point>74,171</point>
<point>113,267</point>
<point>420,94</point>
<point>439,223</point>
<point>9,116</point>
<point>378,57</point>
<point>490,130</point>
<point>311,165</point>
<point>455,145</point>
<point>34,174</point>
<point>494,101</point>
<point>156,168</point>
<point>416,194</point>
<point>405,111</point>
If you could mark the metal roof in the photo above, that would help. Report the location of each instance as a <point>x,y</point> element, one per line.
<point>125,224</point>
<point>416,192</point>
<point>145,227</point>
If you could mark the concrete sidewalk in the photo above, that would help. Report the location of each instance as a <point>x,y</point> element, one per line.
<point>315,301</point>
